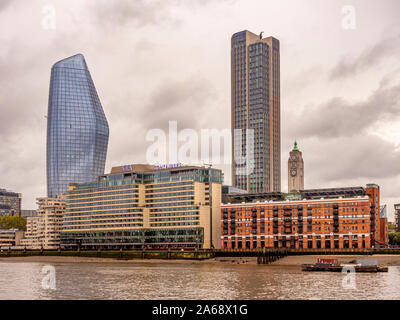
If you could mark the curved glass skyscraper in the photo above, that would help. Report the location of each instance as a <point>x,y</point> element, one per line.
<point>77,129</point>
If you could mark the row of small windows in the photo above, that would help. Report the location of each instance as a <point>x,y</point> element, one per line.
<point>131,225</point>
<point>175,209</point>
<point>99,204</point>
<point>121,195</point>
<point>174,224</point>
<point>106,216</point>
<point>74,214</point>
<point>169,214</point>
<point>174,219</point>
<point>97,208</point>
<point>72,194</point>
<point>173,204</point>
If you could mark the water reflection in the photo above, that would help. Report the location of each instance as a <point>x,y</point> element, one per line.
<point>22,280</point>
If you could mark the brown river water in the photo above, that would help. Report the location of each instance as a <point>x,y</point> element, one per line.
<point>23,280</point>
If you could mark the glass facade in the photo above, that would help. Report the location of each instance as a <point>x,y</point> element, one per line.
<point>77,129</point>
<point>239,107</point>
<point>255,109</point>
<point>259,116</point>
<point>134,239</point>
<point>10,203</point>
<point>145,206</point>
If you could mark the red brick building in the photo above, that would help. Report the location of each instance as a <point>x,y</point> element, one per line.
<point>320,218</point>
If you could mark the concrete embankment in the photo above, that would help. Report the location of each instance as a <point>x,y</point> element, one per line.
<point>145,254</point>
<point>206,256</point>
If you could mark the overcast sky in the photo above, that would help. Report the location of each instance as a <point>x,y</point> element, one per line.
<point>155,61</point>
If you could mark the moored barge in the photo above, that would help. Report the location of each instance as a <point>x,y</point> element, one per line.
<point>331,265</point>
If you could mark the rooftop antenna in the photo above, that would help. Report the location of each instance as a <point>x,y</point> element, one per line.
<point>261,34</point>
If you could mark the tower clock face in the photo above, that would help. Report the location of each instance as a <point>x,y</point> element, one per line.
<point>293,165</point>
<point>293,157</point>
<point>293,173</point>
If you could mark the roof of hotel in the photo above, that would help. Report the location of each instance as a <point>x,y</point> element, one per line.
<point>148,168</point>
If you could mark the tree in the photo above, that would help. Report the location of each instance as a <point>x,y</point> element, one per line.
<point>394,239</point>
<point>13,222</point>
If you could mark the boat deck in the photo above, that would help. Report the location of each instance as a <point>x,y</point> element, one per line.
<point>339,268</point>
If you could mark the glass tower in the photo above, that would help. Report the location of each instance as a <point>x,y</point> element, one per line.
<point>255,112</point>
<point>77,129</point>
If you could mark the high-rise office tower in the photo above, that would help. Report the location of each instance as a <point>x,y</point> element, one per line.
<point>77,129</point>
<point>10,203</point>
<point>255,105</point>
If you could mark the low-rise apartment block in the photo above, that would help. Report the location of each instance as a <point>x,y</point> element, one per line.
<point>10,238</point>
<point>320,218</point>
<point>43,230</point>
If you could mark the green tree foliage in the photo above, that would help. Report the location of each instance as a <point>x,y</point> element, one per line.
<point>13,222</point>
<point>394,238</point>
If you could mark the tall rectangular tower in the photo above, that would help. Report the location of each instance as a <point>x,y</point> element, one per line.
<point>255,112</point>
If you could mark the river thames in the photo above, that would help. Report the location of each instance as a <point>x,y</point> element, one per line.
<point>102,280</point>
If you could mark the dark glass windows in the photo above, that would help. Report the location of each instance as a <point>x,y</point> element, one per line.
<point>77,129</point>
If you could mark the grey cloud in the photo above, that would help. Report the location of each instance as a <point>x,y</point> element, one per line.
<point>184,101</point>
<point>144,45</point>
<point>144,13</point>
<point>25,152</point>
<point>122,12</point>
<point>20,109</point>
<point>365,156</point>
<point>390,78</point>
<point>369,58</point>
<point>4,4</point>
<point>338,117</point>
<point>348,161</point>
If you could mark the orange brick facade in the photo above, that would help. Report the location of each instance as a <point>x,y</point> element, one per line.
<point>316,223</point>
